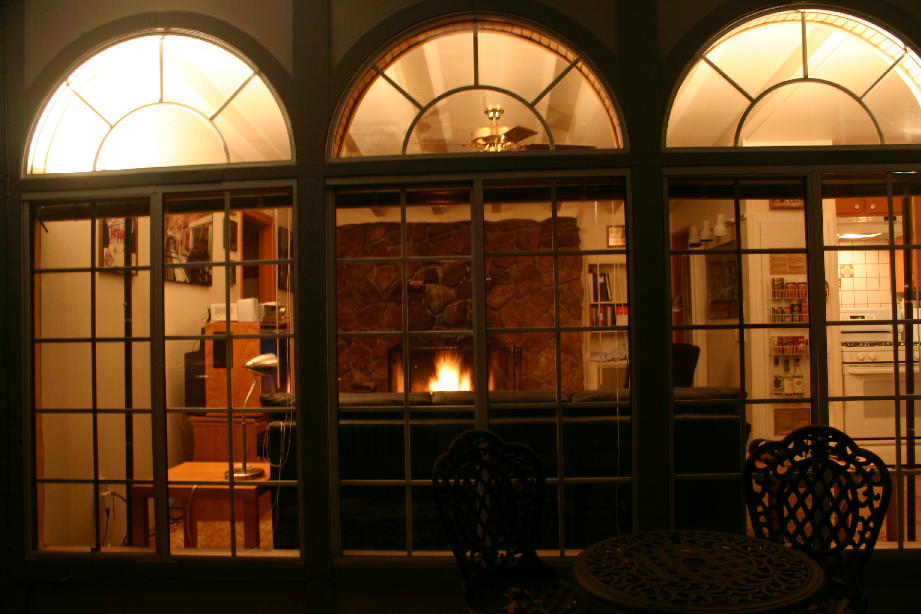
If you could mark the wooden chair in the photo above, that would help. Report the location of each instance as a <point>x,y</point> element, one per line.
<point>817,491</point>
<point>489,495</point>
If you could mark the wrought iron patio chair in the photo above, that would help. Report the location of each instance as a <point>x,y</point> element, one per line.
<point>817,491</point>
<point>489,495</point>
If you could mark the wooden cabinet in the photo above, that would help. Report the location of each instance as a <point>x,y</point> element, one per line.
<point>210,436</point>
<point>217,360</point>
<point>866,206</point>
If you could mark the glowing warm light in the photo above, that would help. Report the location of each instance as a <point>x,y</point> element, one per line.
<point>449,373</point>
<point>800,77</point>
<point>159,100</point>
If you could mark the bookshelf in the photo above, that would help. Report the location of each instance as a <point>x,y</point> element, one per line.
<point>607,308</point>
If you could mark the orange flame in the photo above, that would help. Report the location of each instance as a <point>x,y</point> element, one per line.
<point>449,373</point>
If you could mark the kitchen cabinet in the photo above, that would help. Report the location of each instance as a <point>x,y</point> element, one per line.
<point>866,206</point>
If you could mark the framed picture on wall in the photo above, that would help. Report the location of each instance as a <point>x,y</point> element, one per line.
<point>233,230</point>
<point>722,287</point>
<point>118,243</point>
<point>617,236</point>
<point>187,239</point>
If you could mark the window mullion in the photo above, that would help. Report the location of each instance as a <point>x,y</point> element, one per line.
<point>478,279</point>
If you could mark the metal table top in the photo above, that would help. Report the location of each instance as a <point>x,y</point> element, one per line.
<point>697,571</point>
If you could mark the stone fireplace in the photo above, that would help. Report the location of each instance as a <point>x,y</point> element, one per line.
<point>520,293</point>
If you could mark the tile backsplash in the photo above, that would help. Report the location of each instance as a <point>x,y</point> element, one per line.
<point>864,278</point>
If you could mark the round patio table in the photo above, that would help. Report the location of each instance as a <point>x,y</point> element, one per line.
<point>696,572</point>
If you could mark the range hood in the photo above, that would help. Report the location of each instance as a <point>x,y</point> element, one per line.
<point>866,228</point>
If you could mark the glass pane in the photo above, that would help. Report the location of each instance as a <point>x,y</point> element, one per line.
<point>55,392</point>
<point>706,110</point>
<point>64,446</point>
<point>520,292</point>
<point>253,125</point>
<point>894,103</point>
<point>67,137</point>
<point>369,296</point>
<point>368,225</point>
<point>450,56</point>
<point>371,451</point>
<point>440,296</point>
<point>199,74</point>
<point>597,360</point>
<point>121,78</point>
<point>532,365</point>
<point>597,511</point>
<point>123,375</point>
<point>285,517</point>
<point>63,305</point>
<point>173,136</point>
<point>438,222</point>
<point>777,48</point>
<point>591,224</point>
<point>65,516</point>
<point>539,436</point>
<point>808,114</point>
<point>201,523</point>
<point>428,442</point>
<point>501,56</point>
<point>851,61</point>
<point>367,365</point>
<point>123,311</point>
<point>597,448</point>
<point>726,512</point>
<point>113,516</point>
<point>420,70</point>
<point>119,116</point>
<point>521,226</point>
<point>373,518</point>
<point>463,122</point>
<point>380,122</point>
<point>63,244</point>
<point>428,531</point>
<point>593,126</point>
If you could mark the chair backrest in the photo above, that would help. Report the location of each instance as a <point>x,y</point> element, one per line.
<point>819,492</point>
<point>489,495</point>
<point>684,363</point>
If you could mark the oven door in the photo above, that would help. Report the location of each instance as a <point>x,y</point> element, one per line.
<point>871,422</point>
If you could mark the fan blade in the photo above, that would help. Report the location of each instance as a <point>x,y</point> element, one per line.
<point>518,133</point>
<point>546,146</point>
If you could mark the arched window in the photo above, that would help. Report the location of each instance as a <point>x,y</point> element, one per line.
<point>477,85</point>
<point>802,77</point>
<point>159,100</point>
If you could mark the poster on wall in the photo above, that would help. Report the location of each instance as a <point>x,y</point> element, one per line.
<point>722,287</point>
<point>118,243</point>
<point>187,239</point>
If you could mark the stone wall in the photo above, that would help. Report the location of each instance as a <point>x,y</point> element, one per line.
<point>520,293</point>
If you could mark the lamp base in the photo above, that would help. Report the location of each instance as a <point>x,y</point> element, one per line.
<point>250,473</point>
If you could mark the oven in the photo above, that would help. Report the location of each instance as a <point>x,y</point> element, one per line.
<point>870,357</point>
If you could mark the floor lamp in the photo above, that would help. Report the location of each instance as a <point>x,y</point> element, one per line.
<point>263,365</point>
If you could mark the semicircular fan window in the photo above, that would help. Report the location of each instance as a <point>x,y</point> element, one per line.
<point>481,85</point>
<point>159,100</point>
<point>800,77</point>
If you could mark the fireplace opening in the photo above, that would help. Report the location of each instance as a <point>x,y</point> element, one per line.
<point>450,368</point>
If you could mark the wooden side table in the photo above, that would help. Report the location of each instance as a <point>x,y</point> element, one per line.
<point>247,493</point>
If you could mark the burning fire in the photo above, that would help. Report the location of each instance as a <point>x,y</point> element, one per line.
<point>449,373</point>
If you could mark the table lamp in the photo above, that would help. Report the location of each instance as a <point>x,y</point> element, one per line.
<point>263,365</point>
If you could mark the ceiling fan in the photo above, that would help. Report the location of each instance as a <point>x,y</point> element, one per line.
<point>504,138</point>
<point>498,138</point>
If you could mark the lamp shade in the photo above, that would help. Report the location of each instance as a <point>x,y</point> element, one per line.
<point>263,364</point>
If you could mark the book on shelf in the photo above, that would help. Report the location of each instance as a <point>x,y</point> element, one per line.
<point>601,286</point>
